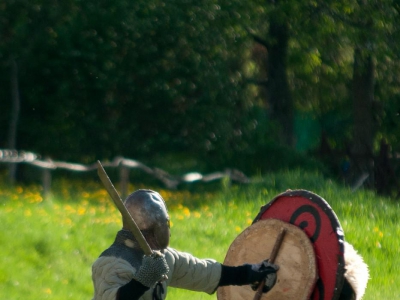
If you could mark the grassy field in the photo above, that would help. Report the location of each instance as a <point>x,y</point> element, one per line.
<point>48,246</point>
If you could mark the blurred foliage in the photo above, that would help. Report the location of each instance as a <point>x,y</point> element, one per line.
<point>128,78</point>
<point>153,79</point>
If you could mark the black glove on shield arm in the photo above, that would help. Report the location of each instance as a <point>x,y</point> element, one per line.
<point>249,274</point>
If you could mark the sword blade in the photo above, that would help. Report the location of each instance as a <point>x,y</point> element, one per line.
<point>122,209</point>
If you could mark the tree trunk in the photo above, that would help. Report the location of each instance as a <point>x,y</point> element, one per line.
<point>15,107</point>
<point>364,127</point>
<point>278,92</point>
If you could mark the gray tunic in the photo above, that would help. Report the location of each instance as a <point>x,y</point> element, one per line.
<point>115,267</point>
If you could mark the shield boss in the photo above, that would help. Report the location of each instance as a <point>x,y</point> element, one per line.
<point>297,274</point>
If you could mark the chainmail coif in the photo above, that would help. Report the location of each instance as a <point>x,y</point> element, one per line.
<point>132,253</point>
<point>150,269</point>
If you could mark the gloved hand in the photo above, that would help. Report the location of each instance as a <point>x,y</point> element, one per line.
<point>153,269</point>
<point>251,274</point>
<point>261,271</point>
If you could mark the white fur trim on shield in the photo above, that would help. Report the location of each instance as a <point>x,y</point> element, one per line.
<point>357,273</point>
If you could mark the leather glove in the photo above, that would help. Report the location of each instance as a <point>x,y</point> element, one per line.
<point>251,274</point>
<point>153,269</point>
<point>261,271</point>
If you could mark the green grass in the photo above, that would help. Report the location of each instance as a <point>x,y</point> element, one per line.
<point>48,246</point>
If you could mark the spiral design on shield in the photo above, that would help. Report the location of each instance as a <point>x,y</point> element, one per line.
<point>296,219</point>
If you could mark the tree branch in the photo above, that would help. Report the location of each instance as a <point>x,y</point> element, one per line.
<point>338,16</point>
<point>257,38</point>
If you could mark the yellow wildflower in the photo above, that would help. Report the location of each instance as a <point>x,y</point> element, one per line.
<point>81,211</point>
<point>186,211</point>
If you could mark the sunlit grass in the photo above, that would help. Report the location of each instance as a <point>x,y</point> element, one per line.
<point>48,245</point>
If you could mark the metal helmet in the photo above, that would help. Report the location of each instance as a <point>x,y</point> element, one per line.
<point>149,211</point>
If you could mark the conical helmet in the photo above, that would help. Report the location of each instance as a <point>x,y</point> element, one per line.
<point>150,213</point>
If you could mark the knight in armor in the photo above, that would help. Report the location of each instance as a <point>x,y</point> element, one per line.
<point>123,271</point>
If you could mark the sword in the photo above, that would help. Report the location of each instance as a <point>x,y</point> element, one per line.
<point>122,209</point>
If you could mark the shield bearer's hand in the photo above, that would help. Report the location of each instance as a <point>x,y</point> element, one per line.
<point>251,274</point>
<point>263,271</point>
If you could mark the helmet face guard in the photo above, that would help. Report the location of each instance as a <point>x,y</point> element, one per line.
<point>150,213</point>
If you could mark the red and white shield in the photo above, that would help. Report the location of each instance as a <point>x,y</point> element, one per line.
<point>311,257</point>
<point>316,218</point>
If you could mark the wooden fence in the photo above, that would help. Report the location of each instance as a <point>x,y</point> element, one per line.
<point>123,164</point>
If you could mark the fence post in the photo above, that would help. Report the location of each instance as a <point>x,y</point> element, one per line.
<point>124,180</point>
<point>46,181</point>
<point>12,171</point>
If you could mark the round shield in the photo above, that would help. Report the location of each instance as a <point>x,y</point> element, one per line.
<point>297,272</point>
<point>316,218</point>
